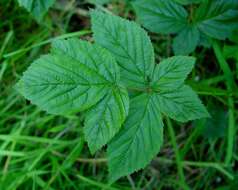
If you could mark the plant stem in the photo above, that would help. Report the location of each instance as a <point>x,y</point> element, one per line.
<point>230,86</point>
<point>95,183</point>
<point>176,151</point>
<point>209,165</point>
<point>64,36</point>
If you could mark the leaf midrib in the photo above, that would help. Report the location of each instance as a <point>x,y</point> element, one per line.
<point>181,20</point>
<point>126,52</point>
<point>83,65</point>
<point>137,128</point>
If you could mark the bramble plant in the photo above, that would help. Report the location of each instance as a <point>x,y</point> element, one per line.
<point>97,79</point>
<point>210,19</point>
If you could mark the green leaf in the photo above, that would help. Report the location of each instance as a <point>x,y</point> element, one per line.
<point>139,140</point>
<point>37,8</point>
<point>204,41</point>
<point>104,120</point>
<point>186,41</point>
<point>216,126</point>
<point>181,104</point>
<point>161,16</point>
<point>76,76</point>
<point>217,18</point>
<point>170,73</point>
<point>128,43</point>
<point>234,36</point>
<point>62,82</point>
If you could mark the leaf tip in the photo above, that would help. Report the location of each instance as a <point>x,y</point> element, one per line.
<point>92,148</point>
<point>19,87</point>
<point>113,176</point>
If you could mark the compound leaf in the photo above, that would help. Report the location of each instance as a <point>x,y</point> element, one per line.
<point>181,104</point>
<point>128,43</point>
<point>37,8</point>
<point>104,120</point>
<point>140,139</point>
<point>161,16</point>
<point>170,73</point>
<point>79,76</point>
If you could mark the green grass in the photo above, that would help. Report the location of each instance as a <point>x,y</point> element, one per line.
<point>41,151</point>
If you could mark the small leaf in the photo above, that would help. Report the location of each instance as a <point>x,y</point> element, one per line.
<point>37,8</point>
<point>128,43</point>
<point>161,16</point>
<point>204,40</point>
<point>186,41</point>
<point>104,120</point>
<point>170,73</point>
<point>139,140</point>
<point>182,104</point>
<point>216,126</point>
<point>217,18</point>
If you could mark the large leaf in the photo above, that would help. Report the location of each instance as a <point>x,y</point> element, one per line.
<point>181,104</point>
<point>217,18</point>
<point>140,139</point>
<point>37,8</point>
<point>129,44</point>
<point>61,83</point>
<point>170,73</point>
<point>161,16</point>
<point>186,41</point>
<point>76,76</point>
<point>104,120</point>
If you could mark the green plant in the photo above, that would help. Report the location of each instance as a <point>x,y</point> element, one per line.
<point>231,52</point>
<point>95,79</point>
<point>37,8</point>
<point>194,25</point>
